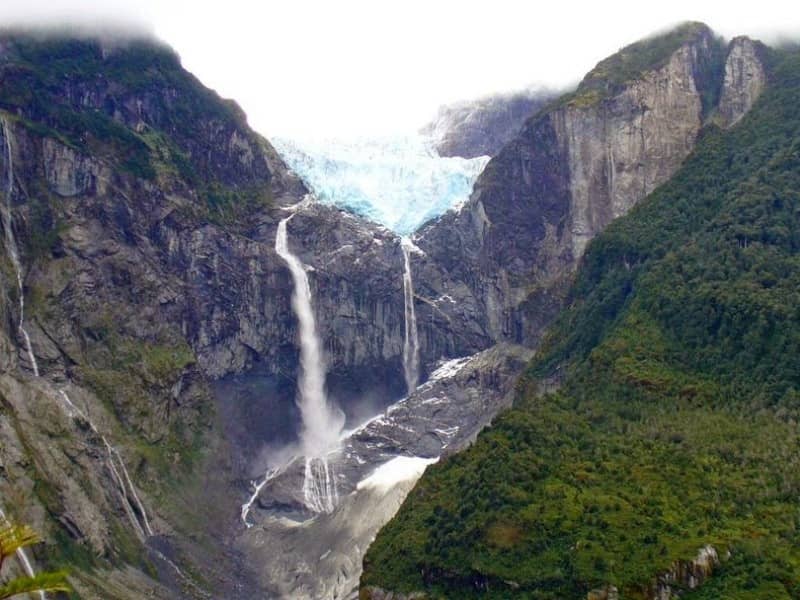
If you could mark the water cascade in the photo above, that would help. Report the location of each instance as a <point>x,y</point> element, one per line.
<point>22,556</point>
<point>321,422</point>
<point>132,503</point>
<point>411,343</point>
<point>11,245</point>
<point>127,491</point>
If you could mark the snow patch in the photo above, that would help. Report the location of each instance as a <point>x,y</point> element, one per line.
<point>449,368</point>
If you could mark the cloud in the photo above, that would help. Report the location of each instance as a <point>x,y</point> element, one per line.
<point>79,15</point>
<point>322,68</point>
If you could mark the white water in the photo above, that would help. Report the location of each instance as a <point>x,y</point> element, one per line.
<point>411,342</point>
<point>394,471</point>
<point>11,245</point>
<point>22,556</point>
<point>127,491</point>
<point>257,487</point>
<point>319,485</point>
<point>321,422</point>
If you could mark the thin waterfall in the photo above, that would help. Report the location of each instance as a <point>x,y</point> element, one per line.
<point>271,474</point>
<point>22,556</point>
<point>11,244</point>
<point>411,343</point>
<point>321,422</point>
<point>11,249</point>
<point>119,473</point>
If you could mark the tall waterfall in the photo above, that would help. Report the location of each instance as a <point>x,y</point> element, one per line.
<point>11,245</point>
<point>321,422</point>
<point>411,343</point>
<point>11,249</point>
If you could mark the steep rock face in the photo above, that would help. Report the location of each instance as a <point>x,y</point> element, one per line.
<point>574,168</point>
<point>482,127</point>
<point>744,79</point>
<point>686,575</point>
<point>145,212</point>
<point>322,553</point>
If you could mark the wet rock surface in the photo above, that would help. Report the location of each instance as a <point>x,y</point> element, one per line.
<point>321,553</point>
<point>151,282</point>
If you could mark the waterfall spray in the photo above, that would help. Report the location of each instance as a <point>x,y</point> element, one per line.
<point>321,422</point>
<point>11,244</point>
<point>411,343</point>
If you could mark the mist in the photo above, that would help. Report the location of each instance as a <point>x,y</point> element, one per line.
<point>311,68</point>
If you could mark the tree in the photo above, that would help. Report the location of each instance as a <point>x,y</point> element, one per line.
<point>13,538</point>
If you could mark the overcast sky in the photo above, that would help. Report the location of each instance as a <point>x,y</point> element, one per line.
<point>347,67</point>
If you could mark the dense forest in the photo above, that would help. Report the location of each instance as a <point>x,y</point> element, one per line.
<point>675,423</point>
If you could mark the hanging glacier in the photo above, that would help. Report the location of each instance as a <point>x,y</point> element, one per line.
<point>399,182</point>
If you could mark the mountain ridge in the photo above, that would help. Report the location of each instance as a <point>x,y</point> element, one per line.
<point>145,212</point>
<point>672,427</point>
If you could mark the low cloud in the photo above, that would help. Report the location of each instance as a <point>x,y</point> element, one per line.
<point>79,17</point>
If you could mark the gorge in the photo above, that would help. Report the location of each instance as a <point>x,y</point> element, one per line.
<point>278,356</point>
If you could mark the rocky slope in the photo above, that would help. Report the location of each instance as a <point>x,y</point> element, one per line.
<point>582,162</point>
<point>482,127</point>
<point>143,213</point>
<point>678,369</point>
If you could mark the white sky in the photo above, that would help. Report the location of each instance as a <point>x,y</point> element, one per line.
<point>305,68</point>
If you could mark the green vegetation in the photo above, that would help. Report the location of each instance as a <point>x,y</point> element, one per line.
<point>14,538</point>
<point>86,93</point>
<point>611,75</point>
<point>676,425</point>
<point>135,380</point>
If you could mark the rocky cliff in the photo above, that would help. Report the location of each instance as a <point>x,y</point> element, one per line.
<point>142,210</point>
<point>582,162</point>
<point>482,127</point>
<point>140,214</point>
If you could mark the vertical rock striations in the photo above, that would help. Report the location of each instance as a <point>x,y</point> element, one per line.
<point>744,80</point>
<point>582,162</point>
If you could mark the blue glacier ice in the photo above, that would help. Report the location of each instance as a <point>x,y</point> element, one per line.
<point>399,182</point>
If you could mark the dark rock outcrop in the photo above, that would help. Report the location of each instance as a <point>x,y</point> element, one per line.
<point>482,127</point>
<point>145,212</point>
<point>685,575</point>
<point>578,165</point>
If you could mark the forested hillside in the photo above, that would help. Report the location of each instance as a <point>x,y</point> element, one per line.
<point>675,425</point>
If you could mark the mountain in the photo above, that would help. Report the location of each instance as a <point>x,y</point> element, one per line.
<point>148,356</point>
<point>151,323</point>
<point>481,127</point>
<point>651,452</point>
<point>581,162</point>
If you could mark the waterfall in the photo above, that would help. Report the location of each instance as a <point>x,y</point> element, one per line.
<point>119,473</point>
<point>321,423</point>
<point>22,556</point>
<point>11,249</point>
<point>11,244</point>
<point>411,343</point>
<point>319,489</point>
